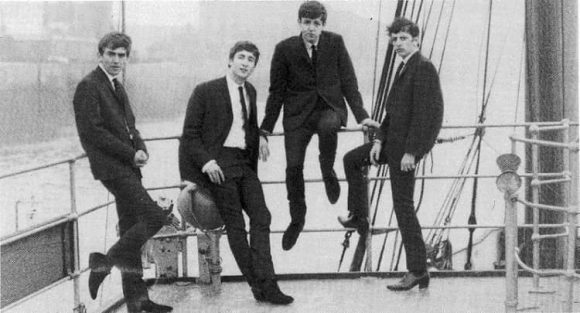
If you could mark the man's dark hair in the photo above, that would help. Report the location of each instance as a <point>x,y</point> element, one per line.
<point>113,41</point>
<point>313,10</point>
<point>245,46</point>
<point>401,24</point>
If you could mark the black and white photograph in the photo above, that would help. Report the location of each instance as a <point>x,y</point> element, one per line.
<point>324,156</point>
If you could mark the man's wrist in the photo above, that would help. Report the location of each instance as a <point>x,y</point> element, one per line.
<point>264,134</point>
<point>377,142</point>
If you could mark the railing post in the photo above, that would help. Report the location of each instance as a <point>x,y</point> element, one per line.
<point>571,204</point>
<point>369,235</point>
<point>511,238</point>
<point>78,305</point>
<point>509,183</point>
<point>534,132</point>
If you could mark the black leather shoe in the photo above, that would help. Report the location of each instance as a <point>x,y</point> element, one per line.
<point>411,280</point>
<point>273,295</point>
<point>353,221</point>
<point>291,235</point>
<point>332,187</point>
<point>258,294</point>
<point>152,307</point>
<point>100,268</point>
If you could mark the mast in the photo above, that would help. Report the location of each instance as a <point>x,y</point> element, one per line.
<point>551,95</point>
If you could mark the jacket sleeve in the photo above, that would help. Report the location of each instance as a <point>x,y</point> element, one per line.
<point>349,83</point>
<point>90,124</point>
<point>278,86</point>
<point>427,115</point>
<point>191,138</point>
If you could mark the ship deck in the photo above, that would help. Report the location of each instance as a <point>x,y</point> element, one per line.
<point>365,294</point>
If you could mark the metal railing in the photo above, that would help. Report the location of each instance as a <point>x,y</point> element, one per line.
<point>509,182</point>
<point>74,215</point>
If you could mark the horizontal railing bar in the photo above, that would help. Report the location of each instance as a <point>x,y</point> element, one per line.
<point>344,130</point>
<point>93,209</point>
<point>543,272</point>
<point>524,175</point>
<point>36,228</point>
<point>458,126</point>
<point>547,207</point>
<point>42,167</point>
<point>547,143</point>
<point>192,232</point>
<point>538,237</point>
<point>550,181</point>
<point>551,128</point>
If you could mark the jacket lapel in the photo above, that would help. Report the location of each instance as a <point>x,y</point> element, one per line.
<point>410,63</point>
<point>301,49</point>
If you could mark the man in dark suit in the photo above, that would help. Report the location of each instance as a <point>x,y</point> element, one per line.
<point>219,151</point>
<point>408,132</point>
<point>116,152</point>
<point>311,76</point>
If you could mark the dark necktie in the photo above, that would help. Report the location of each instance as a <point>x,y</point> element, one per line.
<point>399,69</point>
<point>119,91</point>
<point>314,56</point>
<point>244,109</point>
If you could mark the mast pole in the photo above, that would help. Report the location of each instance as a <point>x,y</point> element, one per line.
<point>551,95</point>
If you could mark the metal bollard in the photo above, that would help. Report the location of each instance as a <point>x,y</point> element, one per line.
<point>209,257</point>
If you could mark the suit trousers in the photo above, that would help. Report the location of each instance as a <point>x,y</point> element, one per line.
<point>402,190</point>
<point>140,218</point>
<point>325,122</point>
<point>242,192</point>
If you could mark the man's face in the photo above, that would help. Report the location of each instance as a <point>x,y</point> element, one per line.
<point>404,43</point>
<point>114,61</point>
<point>242,65</point>
<point>311,28</point>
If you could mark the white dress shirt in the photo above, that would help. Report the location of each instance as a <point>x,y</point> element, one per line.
<point>237,136</point>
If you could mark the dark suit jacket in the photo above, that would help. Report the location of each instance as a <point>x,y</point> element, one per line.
<point>414,109</point>
<point>208,120</point>
<point>295,84</point>
<point>105,127</point>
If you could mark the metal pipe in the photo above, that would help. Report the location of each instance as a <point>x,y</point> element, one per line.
<point>538,237</point>
<point>544,272</point>
<point>570,255</point>
<point>511,242</point>
<point>549,181</point>
<point>75,225</point>
<point>478,176</point>
<point>375,230</point>
<point>35,229</point>
<point>534,130</point>
<point>548,207</point>
<point>546,143</point>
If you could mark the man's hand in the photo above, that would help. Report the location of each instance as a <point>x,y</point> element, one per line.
<point>408,162</point>
<point>370,123</point>
<point>264,150</point>
<point>141,158</point>
<point>214,171</point>
<point>375,153</point>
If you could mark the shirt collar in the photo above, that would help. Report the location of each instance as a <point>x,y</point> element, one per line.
<point>308,44</point>
<point>108,75</point>
<point>232,83</point>
<point>405,60</point>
